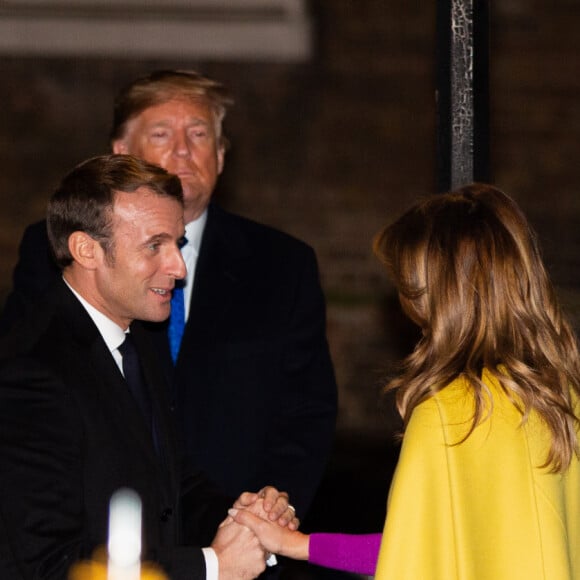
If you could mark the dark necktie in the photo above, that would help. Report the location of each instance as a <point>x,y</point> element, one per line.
<point>134,378</point>
<point>177,316</point>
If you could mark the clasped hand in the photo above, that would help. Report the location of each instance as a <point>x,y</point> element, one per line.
<point>274,538</point>
<point>270,504</point>
<point>240,553</point>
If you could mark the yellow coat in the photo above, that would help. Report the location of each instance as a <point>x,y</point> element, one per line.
<point>483,509</point>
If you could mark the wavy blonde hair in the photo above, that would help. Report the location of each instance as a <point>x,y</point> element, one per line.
<point>468,270</point>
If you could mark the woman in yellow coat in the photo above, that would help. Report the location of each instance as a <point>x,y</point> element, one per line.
<point>488,481</point>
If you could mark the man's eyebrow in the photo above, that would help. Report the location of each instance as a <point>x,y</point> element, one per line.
<point>190,121</point>
<point>198,123</point>
<point>159,122</point>
<point>162,237</point>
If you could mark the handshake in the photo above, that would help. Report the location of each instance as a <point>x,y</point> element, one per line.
<point>258,526</point>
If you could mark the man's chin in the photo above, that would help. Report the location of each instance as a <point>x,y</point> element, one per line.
<point>156,314</point>
<point>195,202</point>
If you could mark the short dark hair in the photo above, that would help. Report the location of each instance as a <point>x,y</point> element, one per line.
<point>84,200</point>
<point>162,86</point>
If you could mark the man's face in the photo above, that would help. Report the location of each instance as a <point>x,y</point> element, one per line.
<point>136,280</point>
<point>180,136</point>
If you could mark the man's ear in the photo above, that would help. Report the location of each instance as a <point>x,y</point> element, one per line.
<point>119,146</point>
<point>86,251</point>
<point>221,156</point>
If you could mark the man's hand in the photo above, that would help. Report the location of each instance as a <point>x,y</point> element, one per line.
<point>273,506</point>
<point>239,553</point>
<point>274,538</point>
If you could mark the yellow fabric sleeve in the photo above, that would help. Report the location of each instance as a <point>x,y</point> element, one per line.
<point>481,509</point>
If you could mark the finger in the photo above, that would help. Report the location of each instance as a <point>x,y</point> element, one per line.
<point>254,523</point>
<point>288,518</point>
<point>281,509</point>
<point>294,524</point>
<point>227,521</point>
<point>284,519</point>
<point>272,497</point>
<point>247,498</point>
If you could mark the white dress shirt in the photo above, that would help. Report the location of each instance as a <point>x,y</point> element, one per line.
<point>190,252</point>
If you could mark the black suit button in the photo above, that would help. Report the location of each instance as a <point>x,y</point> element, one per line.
<point>166,514</point>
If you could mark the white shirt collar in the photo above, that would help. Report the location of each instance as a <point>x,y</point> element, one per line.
<point>112,333</point>
<point>194,232</point>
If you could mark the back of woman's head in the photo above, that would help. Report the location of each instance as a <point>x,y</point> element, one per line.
<point>468,270</point>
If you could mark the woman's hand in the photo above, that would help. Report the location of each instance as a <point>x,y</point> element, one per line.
<point>273,537</point>
<point>270,504</point>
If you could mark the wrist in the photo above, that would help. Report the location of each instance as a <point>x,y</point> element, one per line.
<point>300,547</point>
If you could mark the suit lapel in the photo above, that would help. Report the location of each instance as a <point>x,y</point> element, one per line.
<point>218,277</point>
<point>220,273</point>
<point>103,375</point>
<point>159,390</point>
<point>121,403</point>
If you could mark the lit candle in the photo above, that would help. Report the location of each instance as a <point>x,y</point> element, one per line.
<point>124,544</point>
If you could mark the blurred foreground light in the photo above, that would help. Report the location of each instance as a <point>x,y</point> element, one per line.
<point>124,544</point>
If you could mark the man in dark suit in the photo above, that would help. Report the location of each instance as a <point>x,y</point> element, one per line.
<point>253,384</point>
<point>78,423</point>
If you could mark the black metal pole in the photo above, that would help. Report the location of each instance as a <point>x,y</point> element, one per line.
<point>462,93</point>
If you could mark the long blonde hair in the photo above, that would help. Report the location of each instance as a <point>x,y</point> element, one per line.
<point>469,272</point>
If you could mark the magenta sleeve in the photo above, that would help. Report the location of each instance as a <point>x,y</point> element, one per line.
<point>349,553</point>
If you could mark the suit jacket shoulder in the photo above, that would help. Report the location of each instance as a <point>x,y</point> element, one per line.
<point>244,236</point>
<point>35,271</point>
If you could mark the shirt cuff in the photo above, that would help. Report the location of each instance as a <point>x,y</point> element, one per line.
<point>211,564</point>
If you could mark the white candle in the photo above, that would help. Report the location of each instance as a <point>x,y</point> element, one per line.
<point>124,544</point>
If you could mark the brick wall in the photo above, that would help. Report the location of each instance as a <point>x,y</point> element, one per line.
<point>332,149</point>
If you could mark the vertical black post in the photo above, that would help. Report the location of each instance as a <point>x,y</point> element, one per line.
<point>462,93</point>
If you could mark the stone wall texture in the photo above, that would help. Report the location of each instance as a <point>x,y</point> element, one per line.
<point>331,149</point>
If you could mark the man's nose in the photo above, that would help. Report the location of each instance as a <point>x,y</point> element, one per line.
<point>181,145</point>
<point>176,265</point>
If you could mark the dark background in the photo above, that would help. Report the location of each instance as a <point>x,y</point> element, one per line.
<point>330,150</point>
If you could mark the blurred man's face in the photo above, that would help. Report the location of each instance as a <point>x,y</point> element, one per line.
<point>135,281</point>
<point>180,136</point>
